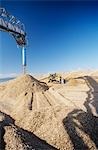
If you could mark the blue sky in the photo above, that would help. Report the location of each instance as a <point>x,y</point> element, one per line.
<point>62,36</point>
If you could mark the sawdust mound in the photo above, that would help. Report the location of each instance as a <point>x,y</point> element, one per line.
<point>13,137</point>
<point>72,82</point>
<point>24,83</point>
<point>94,73</point>
<point>48,118</point>
<point>15,99</point>
<point>75,81</point>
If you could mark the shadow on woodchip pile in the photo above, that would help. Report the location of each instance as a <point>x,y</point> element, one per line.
<point>77,123</point>
<point>15,138</point>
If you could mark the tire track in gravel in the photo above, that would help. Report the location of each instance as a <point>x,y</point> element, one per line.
<point>61,99</point>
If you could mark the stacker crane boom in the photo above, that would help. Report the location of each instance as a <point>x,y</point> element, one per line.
<point>10,24</point>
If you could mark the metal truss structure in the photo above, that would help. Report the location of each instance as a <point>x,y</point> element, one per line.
<point>8,23</point>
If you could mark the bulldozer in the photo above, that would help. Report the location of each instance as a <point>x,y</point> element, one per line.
<point>53,78</point>
<point>56,78</point>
